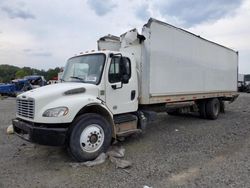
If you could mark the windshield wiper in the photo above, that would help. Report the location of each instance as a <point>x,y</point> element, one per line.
<point>78,78</point>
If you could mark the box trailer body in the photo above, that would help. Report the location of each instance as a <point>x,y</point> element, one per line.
<point>116,91</point>
<point>183,64</point>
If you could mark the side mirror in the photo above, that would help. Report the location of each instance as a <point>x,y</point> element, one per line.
<point>124,75</point>
<point>125,78</point>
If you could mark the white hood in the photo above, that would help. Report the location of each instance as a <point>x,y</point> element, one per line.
<point>53,96</point>
<point>56,90</point>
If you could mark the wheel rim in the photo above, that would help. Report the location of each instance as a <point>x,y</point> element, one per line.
<point>92,138</point>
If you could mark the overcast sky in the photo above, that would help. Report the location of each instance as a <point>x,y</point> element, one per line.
<point>44,34</point>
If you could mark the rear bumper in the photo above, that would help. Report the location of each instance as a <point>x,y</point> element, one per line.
<point>44,135</point>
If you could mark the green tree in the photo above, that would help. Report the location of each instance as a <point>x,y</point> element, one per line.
<point>28,70</point>
<point>51,73</point>
<point>21,73</point>
<point>7,72</point>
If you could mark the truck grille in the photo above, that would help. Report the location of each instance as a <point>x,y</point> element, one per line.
<point>25,108</point>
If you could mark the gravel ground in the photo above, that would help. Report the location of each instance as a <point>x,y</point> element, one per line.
<point>183,151</point>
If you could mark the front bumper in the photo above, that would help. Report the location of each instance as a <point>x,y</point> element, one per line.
<point>42,134</point>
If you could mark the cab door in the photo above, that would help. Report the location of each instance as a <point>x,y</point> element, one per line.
<point>121,85</point>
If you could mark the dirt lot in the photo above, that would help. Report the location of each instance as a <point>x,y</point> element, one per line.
<point>182,151</point>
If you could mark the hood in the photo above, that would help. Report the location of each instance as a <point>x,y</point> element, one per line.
<point>57,90</point>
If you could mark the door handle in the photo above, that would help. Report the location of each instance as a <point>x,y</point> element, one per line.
<point>132,95</point>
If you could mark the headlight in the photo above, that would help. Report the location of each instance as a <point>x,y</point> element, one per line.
<point>56,112</point>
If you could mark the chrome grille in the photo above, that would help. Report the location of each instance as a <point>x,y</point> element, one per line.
<point>25,108</point>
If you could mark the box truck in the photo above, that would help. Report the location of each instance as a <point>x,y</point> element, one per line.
<point>109,94</point>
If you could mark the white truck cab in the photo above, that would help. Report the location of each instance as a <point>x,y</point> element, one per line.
<point>95,87</point>
<point>109,94</point>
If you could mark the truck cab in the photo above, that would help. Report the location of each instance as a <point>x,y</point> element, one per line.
<point>80,112</point>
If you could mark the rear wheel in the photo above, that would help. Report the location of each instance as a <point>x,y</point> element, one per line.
<point>213,108</point>
<point>173,112</point>
<point>222,106</point>
<point>89,136</point>
<point>202,109</point>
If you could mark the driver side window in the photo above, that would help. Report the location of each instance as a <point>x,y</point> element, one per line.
<point>115,71</point>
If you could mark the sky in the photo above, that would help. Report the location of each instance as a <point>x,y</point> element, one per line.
<point>43,34</point>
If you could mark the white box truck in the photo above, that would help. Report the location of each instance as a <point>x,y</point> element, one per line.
<point>106,94</point>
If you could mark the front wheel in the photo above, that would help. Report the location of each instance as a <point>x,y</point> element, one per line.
<point>89,136</point>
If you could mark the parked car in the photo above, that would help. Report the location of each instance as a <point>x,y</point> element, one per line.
<point>15,87</point>
<point>248,88</point>
<point>36,81</point>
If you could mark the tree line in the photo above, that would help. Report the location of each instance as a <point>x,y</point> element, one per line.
<point>9,72</point>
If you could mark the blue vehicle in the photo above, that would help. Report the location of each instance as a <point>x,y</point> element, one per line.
<point>36,81</point>
<point>15,87</point>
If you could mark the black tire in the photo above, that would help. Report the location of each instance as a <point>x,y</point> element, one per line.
<point>174,112</point>
<point>222,106</point>
<point>213,108</point>
<point>202,109</point>
<point>82,125</point>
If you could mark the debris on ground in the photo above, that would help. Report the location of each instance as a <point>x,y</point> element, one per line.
<point>10,129</point>
<point>115,153</point>
<point>74,165</point>
<point>120,163</point>
<point>99,160</point>
<point>145,186</point>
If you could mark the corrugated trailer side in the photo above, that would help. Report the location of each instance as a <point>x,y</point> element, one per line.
<point>178,65</point>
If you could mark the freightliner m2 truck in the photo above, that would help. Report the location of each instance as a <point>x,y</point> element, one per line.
<point>107,95</point>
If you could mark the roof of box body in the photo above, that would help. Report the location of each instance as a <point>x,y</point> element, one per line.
<point>151,20</point>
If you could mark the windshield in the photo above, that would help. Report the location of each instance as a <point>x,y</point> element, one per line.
<point>86,68</point>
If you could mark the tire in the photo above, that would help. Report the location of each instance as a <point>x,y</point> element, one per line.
<point>89,136</point>
<point>213,108</point>
<point>222,106</point>
<point>174,112</point>
<point>202,109</point>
